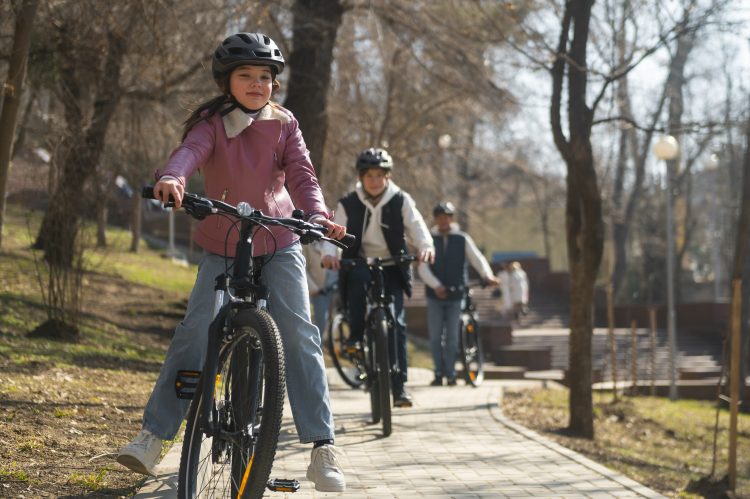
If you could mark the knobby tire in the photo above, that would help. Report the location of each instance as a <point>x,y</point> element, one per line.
<point>248,399</point>
<point>372,378</point>
<point>471,351</point>
<point>379,328</point>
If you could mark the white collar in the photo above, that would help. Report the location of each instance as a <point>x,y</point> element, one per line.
<point>237,120</point>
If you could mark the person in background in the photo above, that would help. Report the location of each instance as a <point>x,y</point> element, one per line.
<point>321,284</point>
<point>519,290</point>
<point>506,304</point>
<point>384,219</point>
<point>446,280</point>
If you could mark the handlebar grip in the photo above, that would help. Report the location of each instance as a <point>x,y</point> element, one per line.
<point>148,192</point>
<point>348,239</point>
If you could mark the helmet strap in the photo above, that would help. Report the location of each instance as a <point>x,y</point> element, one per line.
<point>235,104</point>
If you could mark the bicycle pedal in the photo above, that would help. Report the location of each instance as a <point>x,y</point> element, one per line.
<point>353,350</point>
<point>185,384</point>
<point>283,485</point>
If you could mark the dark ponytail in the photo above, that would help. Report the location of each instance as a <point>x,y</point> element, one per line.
<point>204,111</point>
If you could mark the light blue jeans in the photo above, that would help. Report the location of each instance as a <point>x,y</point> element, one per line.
<point>288,304</point>
<point>443,319</point>
<point>320,305</point>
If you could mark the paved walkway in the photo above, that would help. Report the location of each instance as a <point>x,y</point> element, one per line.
<point>454,443</point>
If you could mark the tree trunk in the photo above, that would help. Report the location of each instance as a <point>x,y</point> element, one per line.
<point>12,91</point>
<point>135,223</point>
<point>316,23</point>
<point>101,223</point>
<point>584,224</point>
<point>60,225</point>
<point>20,139</point>
<point>741,258</point>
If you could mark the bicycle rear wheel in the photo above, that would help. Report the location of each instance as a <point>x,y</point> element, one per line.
<point>245,414</point>
<point>471,351</point>
<point>349,368</point>
<point>379,332</point>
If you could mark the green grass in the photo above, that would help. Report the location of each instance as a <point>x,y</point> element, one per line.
<point>13,475</point>
<point>147,267</point>
<point>22,305</point>
<point>92,481</point>
<point>663,444</point>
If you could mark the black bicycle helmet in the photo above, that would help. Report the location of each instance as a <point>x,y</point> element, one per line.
<point>444,208</point>
<point>246,48</point>
<point>374,158</point>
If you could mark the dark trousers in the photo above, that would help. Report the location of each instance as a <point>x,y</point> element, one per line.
<point>357,282</point>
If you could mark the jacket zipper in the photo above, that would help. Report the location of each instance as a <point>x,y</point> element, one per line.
<point>223,198</point>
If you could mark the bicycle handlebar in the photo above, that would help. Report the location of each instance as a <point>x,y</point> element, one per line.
<point>481,283</point>
<point>199,207</point>
<point>371,261</point>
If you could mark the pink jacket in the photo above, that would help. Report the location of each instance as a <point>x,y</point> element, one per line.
<point>249,160</point>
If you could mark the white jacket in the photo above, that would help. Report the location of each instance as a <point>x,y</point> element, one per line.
<point>373,242</point>
<point>318,278</point>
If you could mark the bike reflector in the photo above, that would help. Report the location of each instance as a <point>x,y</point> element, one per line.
<point>185,384</point>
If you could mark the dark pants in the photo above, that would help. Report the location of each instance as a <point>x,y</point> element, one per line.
<point>357,282</point>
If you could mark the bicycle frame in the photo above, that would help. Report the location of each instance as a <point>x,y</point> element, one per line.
<point>377,298</point>
<point>248,292</point>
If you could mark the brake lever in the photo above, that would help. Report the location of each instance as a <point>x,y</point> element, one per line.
<point>335,242</point>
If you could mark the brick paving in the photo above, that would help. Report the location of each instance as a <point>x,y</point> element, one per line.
<point>454,443</point>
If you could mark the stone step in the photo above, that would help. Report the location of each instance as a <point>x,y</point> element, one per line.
<point>700,372</point>
<point>498,372</point>
<point>699,389</point>
<point>533,358</point>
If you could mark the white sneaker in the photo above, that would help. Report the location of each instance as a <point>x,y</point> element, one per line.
<point>324,470</point>
<point>142,454</point>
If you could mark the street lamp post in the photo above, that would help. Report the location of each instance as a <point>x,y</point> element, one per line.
<point>666,149</point>
<point>444,142</point>
<point>712,166</point>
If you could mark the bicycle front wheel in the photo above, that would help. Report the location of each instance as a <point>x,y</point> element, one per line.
<point>379,329</point>
<point>349,368</point>
<point>471,351</point>
<point>233,455</point>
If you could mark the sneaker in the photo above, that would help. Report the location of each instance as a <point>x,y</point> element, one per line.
<point>438,381</point>
<point>452,381</point>
<point>325,471</point>
<point>401,398</point>
<point>142,454</point>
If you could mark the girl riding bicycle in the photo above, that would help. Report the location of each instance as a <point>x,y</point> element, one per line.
<point>249,149</point>
<point>384,219</point>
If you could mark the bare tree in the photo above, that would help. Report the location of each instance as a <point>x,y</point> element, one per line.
<point>12,91</point>
<point>401,81</point>
<point>90,65</point>
<point>584,224</point>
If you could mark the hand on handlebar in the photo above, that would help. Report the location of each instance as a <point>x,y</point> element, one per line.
<point>330,262</point>
<point>491,281</point>
<point>169,190</point>
<point>427,255</point>
<point>335,231</point>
